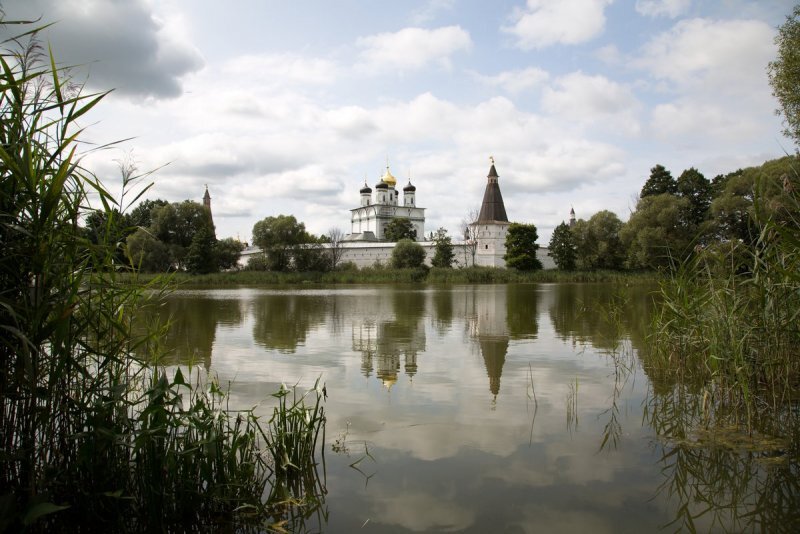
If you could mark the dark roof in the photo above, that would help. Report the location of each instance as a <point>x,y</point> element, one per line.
<point>381,185</point>
<point>366,188</point>
<point>409,187</point>
<point>492,208</point>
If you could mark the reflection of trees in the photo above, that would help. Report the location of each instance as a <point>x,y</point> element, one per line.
<point>601,314</point>
<point>282,321</point>
<point>385,343</point>
<point>193,321</point>
<point>718,474</point>
<point>522,315</point>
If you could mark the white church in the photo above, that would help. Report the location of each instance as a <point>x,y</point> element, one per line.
<point>483,245</point>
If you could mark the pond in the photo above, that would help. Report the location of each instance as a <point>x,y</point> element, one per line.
<point>497,408</point>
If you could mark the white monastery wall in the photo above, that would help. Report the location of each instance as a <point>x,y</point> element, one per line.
<point>368,254</point>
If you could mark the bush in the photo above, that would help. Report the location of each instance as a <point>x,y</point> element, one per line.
<point>407,254</point>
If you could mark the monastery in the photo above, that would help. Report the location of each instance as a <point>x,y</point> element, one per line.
<point>483,245</point>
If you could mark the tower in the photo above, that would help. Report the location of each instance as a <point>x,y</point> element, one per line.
<point>366,194</point>
<point>207,204</point>
<point>492,224</point>
<point>571,217</point>
<point>409,191</point>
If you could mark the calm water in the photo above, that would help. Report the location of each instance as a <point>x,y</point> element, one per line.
<point>517,408</point>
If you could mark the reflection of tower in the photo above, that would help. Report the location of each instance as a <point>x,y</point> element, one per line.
<point>490,328</point>
<point>364,341</point>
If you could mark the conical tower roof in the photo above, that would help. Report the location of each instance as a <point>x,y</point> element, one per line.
<point>492,209</point>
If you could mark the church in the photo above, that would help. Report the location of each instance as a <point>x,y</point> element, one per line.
<point>483,241</point>
<point>368,221</point>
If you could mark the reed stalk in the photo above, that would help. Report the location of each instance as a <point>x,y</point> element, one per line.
<point>95,434</point>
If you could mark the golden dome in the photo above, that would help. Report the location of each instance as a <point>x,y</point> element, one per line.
<point>388,178</point>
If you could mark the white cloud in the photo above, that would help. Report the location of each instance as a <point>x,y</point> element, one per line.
<point>517,81</point>
<point>412,48</point>
<point>123,45</point>
<point>590,99</point>
<point>689,122</point>
<point>566,164</point>
<point>609,54</point>
<point>545,22</point>
<point>282,69</point>
<point>669,8</point>
<point>430,10</point>
<point>713,55</point>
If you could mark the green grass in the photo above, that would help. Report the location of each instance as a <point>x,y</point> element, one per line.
<point>386,275</point>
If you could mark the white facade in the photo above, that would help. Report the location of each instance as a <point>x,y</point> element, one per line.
<point>366,254</point>
<point>491,243</point>
<point>368,221</point>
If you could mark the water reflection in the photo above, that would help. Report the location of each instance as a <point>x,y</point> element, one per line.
<point>453,435</point>
<point>282,320</point>
<point>719,474</point>
<point>600,314</point>
<point>194,318</point>
<point>391,331</point>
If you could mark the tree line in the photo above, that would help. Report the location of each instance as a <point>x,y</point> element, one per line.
<point>676,218</point>
<point>159,236</point>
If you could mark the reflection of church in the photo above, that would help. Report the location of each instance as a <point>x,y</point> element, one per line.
<point>383,350</point>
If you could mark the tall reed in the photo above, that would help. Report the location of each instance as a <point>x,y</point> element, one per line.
<point>731,330</point>
<point>93,436</point>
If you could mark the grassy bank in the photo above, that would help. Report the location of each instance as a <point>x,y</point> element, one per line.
<point>370,275</point>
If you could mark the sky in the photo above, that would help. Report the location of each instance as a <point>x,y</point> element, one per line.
<point>289,107</point>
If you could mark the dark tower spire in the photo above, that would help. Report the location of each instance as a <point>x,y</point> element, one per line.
<point>492,208</point>
<point>207,203</point>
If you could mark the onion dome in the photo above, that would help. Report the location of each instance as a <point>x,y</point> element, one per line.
<point>366,189</point>
<point>388,178</point>
<point>381,185</point>
<point>410,188</point>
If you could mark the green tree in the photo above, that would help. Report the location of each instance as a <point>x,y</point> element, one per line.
<point>658,234</point>
<point>696,188</point>
<point>521,247</point>
<point>400,228</point>
<point>201,257</point>
<point>597,242</point>
<point>311,257</point>
<point>147,253</point>
<point>227,252</point>
<point>408,254</point>
<point>562,247</point>
<point>443,255</point>
<point>660,182</point>
<point>278,237</point>
<point>141,215</point>
<point>784,74</point>
<point>176,225</point>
